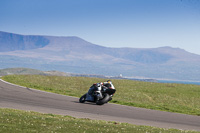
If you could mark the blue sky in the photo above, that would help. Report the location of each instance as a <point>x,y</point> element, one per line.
<point>111,23</point>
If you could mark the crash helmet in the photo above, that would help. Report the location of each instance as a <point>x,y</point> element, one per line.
<point>109,81</point>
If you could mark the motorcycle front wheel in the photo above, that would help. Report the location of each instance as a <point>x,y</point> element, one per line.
<point>104,100</point>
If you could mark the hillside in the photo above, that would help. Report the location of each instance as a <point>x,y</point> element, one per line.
<point>12,42</point>
<point>11,71</point>
<point>28,71</point>
<point>75,55</point>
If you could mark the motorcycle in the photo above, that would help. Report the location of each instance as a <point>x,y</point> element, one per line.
<point>101,94</point>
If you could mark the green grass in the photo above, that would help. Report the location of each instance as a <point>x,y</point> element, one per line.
<point>179,98</point>
<point>16,121</point>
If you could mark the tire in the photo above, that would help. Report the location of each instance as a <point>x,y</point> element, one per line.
<point>110,99</point>
<point>82,99</point>
<point>104,100</point>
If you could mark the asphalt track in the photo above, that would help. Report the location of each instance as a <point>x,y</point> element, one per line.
<point>13,96</point>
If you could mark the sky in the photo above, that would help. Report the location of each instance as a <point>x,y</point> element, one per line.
<point>110,23</point>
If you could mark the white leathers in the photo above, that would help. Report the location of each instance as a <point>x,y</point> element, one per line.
<point>108,84</point>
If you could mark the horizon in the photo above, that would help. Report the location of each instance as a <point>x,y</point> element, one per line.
<point>113,23</point>
<point>145,79</point>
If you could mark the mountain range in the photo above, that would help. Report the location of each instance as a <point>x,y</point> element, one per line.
<point>75,55</point>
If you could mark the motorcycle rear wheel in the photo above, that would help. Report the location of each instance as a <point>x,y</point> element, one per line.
<point>82,99</point>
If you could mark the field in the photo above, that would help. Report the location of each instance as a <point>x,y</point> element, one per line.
<point>179,98</point>
<point>12,121</point>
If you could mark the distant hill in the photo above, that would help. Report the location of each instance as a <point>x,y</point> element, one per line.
<point>28,71</point>
<point>12,42</point>
<point>11,71</point>
<point>24,71</point>
<point>75,55</point>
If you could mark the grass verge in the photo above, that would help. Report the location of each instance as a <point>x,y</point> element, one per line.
<point>16,121</point>
<point>179,98</point>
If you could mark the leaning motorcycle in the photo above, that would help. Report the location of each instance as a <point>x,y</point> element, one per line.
<point>101,95</point>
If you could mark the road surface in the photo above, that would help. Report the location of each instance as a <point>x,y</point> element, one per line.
<point>13,96</point>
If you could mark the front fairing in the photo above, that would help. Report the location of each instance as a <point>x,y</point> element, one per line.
<point>110,91</point>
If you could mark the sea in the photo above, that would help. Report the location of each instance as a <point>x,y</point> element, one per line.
<point>161,80</point>
<point>179,82</point>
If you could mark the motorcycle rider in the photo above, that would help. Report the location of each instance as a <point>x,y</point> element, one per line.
<point>108,84</point>
<point>104,85</point>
